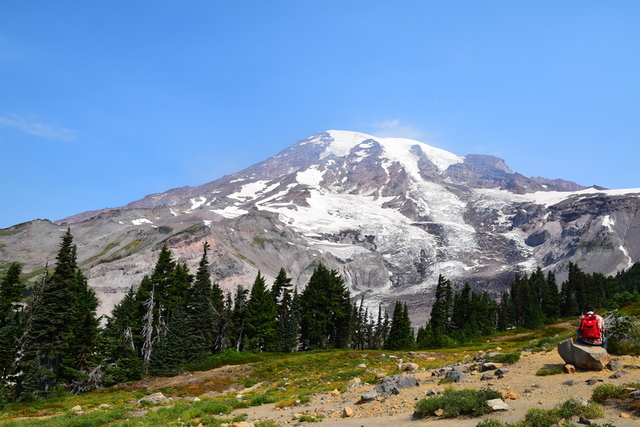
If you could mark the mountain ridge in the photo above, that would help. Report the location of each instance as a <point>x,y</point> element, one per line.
<point>391,214</point>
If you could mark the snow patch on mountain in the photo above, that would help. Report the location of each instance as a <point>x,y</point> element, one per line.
<point>397,149</point>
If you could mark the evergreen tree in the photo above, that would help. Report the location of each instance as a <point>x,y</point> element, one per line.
<point>238,316</point>
<point>121,361</point>
<point>60,309</point>
<point>551,298</point>
<point>11,291</point>
<point>11,323</point>
<point>160,295</point>
<point>325,311</point>
<point>169,353</point>
<point>261,323</point>
<point>400,335</point>
<point>201,315</point>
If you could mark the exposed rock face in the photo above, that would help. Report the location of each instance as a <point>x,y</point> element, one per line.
<point>593,358</point>
<point>389,214</point>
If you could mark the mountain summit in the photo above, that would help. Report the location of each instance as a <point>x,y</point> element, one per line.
<point>391,214</point>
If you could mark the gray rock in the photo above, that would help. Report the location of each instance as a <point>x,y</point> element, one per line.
<point>369,395</point>
<point>154,399</point>
<point>618,374</point>
<point>569,383</point>
<point>497,405</point>
<point>463,369</point>
<point>528,390</point>
<point>635,394</point>
<point>502,371</point>
<point>486,377</point>
<point>405,367</point>
<point>456,376</point>
<point>395,383</point>
<point>594,358</point>
<point>616,365</point>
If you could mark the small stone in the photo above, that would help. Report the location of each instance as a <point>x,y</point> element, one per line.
<point>528,390</point>
<point>104,406</point>
<point>380,375</point>
<point>540,402</point>
<point>569,369</point>
<point>334,392</point>
<point>362,365</point>
<point>569,383</point>
<point>635,394</point>
<point>491,366</point>
<point>347,412</point>
<point>431,392</point>
<point>592,382</point>
<point>497,405</point>
<point>369,395</point>
<point>583,420</point>
<point>438,412</point>
<point>624,415</point>
<point>407,367</point>
<point>76,408</point>
<point>486,377</point>
<point>616,365</point>
<point>511,396</point>
<point>618,374</point>
<point>501,371</point>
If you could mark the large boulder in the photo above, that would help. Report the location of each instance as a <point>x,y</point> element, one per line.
<point>592,358</point>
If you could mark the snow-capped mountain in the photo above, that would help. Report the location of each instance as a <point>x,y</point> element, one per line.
<point>390,214</point>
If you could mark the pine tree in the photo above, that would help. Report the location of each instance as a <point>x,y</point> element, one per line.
<point>238,319</point>
<point>261,323</point>
<point>201,315</point>
<point>121,361</point>
<point>59,310</point>
<point>11,322</point>
<point>11,291</point>
<point>400,335</point>
<point>325,311</point>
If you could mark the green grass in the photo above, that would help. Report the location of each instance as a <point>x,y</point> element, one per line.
<point>506,358</point>
<point>550,370</point>
<point>603,392</point>
<point>455,403</point>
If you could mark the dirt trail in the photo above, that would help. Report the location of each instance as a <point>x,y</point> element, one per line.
<point>546,393</point>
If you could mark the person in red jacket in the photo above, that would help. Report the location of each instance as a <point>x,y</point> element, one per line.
<point>591,329</point>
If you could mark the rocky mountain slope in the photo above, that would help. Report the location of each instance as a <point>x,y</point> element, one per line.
<point>390,214</point>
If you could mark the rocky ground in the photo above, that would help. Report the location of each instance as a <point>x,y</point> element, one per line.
<point>520,386</point>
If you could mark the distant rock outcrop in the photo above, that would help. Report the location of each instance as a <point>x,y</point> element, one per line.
<point>593,358</point>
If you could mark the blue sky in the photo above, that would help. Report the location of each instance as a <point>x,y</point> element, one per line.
<point>102,103</point>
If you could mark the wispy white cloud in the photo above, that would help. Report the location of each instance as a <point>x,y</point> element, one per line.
<point>395,128</point>
<point>37,128</point>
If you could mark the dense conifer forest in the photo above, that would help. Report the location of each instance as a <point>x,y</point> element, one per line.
<point>52,340</point>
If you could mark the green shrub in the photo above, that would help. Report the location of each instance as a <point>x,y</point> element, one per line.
<point>577,407</point>
<point>603,392</point>
<point>458,402</point>
<point>542,418</point>
<point>490,422</point>
<point>310,418</point>
<point>623,333</point>
<point>549,370</point>
<point>507,358</point>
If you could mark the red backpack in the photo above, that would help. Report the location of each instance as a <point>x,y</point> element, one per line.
<point>590,327</point>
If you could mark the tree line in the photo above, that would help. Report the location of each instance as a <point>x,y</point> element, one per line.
<point>54,341</point>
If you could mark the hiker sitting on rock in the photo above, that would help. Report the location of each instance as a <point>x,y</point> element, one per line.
<point>591,329</point>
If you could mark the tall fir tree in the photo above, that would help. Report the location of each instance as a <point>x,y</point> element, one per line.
<point>201,312</point>
<point>261,323</point>
<point>60,309</point>
<point>325,311</point>
<point>400,335</point>
<point>11,324</point>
